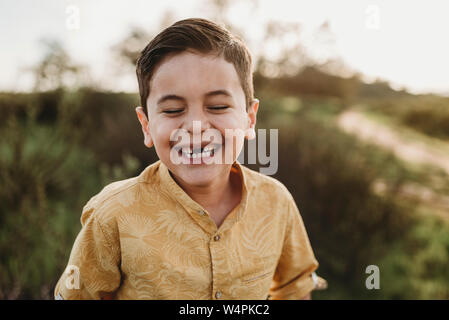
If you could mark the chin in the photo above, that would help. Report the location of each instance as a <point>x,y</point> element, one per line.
<point>199,175</point>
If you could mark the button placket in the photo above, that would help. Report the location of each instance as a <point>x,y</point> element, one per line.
<point>219,267</point>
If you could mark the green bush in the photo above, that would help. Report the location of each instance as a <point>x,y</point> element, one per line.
<point>416,268</point>
<point>350,227</point>
<point>46,179</point>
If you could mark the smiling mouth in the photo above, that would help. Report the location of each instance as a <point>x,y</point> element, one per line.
<point>198,153</point>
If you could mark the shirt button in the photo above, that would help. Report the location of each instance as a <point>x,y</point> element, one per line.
<point>201,212</point>
<point>217,237</point>
<point>218,294</point>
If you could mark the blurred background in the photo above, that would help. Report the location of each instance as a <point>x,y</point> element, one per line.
<point>359,91</point>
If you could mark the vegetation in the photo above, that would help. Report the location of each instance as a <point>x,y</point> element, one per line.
<point>428,114</point>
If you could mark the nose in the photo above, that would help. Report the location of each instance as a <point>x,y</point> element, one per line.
<point>196,120</point>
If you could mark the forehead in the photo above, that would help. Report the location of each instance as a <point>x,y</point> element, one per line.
<point>190,74</point>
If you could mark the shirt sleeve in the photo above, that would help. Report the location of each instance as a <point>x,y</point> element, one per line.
<point>93,270</point>
<point>293,276</point>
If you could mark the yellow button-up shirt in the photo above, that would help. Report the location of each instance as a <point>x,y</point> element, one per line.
<point>145,238</point>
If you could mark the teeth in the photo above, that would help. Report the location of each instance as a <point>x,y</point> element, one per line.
<point>197,153</point>
<point>189,150</point>
<point>205,154</point>
<point>194,155</point>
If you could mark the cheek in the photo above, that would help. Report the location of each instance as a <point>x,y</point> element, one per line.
<point>238,123</point>
<point>233,121</point>
<point>160,132</point>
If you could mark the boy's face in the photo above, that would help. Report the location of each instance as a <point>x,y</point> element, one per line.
<point>191,91</point>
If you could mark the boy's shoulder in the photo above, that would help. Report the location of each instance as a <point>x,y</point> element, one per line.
<point>270,196</point>
<point>260,185</point>
<point>116,195</point>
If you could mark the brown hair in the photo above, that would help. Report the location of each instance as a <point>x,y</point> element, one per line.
<point>203,36</point>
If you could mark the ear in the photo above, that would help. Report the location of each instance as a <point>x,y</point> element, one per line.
<point>148,141</point>
<point>252,115</point>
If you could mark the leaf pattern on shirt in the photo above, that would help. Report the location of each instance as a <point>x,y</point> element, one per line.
<point>256,236</point>
<point>177,225</point>
<point>186,255</point>
<point>137,237</point>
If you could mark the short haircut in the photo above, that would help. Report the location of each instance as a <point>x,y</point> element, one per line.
<point>202,36</point>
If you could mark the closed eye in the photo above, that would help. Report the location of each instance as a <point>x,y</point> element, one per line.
<point>223,107</point>
<point>172,111</point>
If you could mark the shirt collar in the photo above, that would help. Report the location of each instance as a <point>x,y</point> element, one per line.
<point>173,190</point>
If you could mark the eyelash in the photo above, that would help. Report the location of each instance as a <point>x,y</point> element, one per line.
<point>173,111</point>
<point>219,107</point>
<point>222,107</point>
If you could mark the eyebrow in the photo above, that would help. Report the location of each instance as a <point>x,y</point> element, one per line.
<point>179,98</point>
<point>169,97</point>
<point>218,93</point>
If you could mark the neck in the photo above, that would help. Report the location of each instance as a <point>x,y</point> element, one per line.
<point>212,195</point>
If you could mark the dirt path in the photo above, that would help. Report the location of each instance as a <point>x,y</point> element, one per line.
<point>406,149</point>
<point>438,203</point>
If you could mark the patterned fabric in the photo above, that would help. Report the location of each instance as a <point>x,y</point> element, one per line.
<point>145,238</point>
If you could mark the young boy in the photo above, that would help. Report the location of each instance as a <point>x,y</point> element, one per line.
<point>196,224</point>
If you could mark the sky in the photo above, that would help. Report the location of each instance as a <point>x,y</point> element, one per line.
<point>403,42</point>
